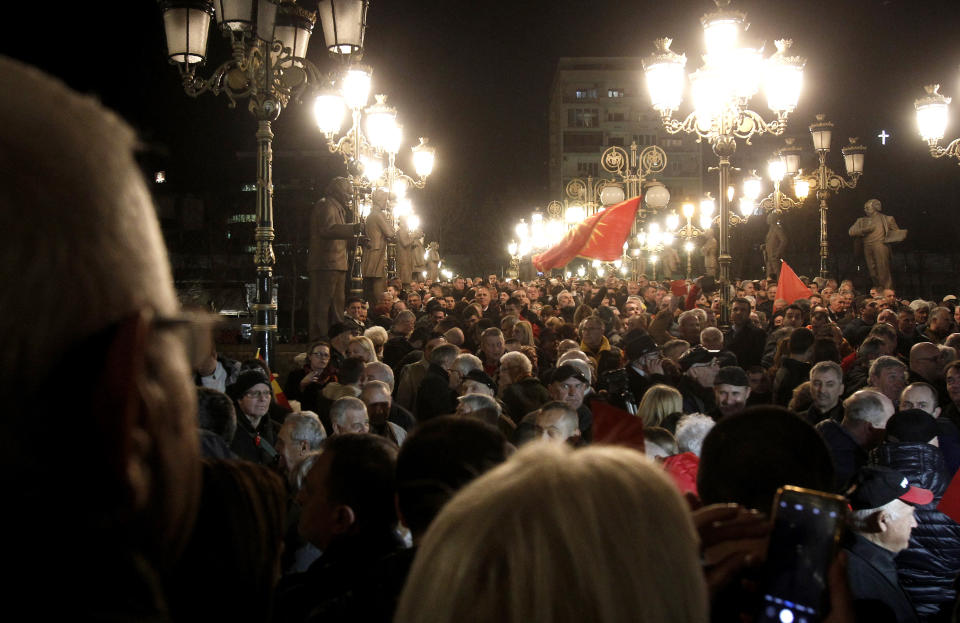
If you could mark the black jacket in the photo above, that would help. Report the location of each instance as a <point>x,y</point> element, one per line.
<point>877,595</point>
<point>794,373</point>
<point>848,456</point>
<point>927,569</point>
<point>523,397</point>
<point>435,398</point>
<point>747,344</point>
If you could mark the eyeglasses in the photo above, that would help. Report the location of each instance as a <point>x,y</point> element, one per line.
<point>195,332</point>
<point>258,394</point>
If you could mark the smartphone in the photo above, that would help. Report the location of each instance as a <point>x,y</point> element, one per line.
<point>806,533</point>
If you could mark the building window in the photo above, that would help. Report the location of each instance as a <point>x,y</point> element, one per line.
<point>615,140</point>
<point>588,168</point>
<point>582,141</point>
<point>586,94</point>
<point>582,117</point>
<point>615,116</point>
<point>643,140</point>
<point>614,92</point>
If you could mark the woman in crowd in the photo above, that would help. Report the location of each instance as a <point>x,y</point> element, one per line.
<point>306,383</point>
<point>657,403</point>
<point>361,347</point>
<point>515,547</point>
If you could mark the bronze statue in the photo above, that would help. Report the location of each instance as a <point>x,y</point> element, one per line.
<point>877,231</point>
<point>327,262</point>
<point>433,262</point>
<point>378,229</point>
<point>774,245</point>
<point>710,253</point>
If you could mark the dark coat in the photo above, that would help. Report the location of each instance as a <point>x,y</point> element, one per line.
<point>948,432</point>
<point>435,398</point>
<point>791,374</point>
<point>814,417</point>
<point>640,383</point>
<point>394,350</point>
<point>523,397</point>
<point>249,444</point>
<point>877,595</point>
<point>747,344</point>
<point>848,456</point>
<point>927,569</point>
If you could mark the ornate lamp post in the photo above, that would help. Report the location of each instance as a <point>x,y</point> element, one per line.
<point>932,122</point>
<point>721,90</point>
<point>778,201</point>
<point>267,68</point>
<point>823,179</point>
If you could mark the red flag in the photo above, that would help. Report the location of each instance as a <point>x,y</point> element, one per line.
<point>950,502</point>
<point>599,237</point>
<point>789,286</point>
<point>615,426</point>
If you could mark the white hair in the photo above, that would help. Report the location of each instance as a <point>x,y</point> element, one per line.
<point>379,371</point>
<point>518,360</point>
<point>860,519</point>
<point>692,429</point>
<point>306,426</point>
<point>480,401</point>
<point>467,363</point>
<point>377,334</point>
<point>341,407</point>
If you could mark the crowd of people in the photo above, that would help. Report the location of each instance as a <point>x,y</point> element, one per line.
<point>450,451</point>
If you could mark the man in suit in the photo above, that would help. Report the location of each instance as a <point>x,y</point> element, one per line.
<point>873,228</point>
<point>327,262</point>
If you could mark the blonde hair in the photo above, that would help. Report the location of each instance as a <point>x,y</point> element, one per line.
<point>523,333</point>
<point>510,545</point>
<point>367,345</point>
<point>657,403</point>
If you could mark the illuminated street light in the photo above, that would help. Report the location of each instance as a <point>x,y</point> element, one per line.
<point>932,116</point>
<point>721,89</point>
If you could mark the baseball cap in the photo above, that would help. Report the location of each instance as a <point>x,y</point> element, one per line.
<point>875,486</point>
<point>912,425</point>
<point>698,355</point>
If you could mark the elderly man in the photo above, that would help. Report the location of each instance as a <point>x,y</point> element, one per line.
<point>939,325</point>
<point>569,385</point>
<point>301,434</point>
<point>398,340</point>
<point>927,362</point>
<point>376,396</point>
<point>379,371</point>
<point>123,455</point>
<point>888,375</point>
<point>865,416</point>
<point>349,415</point>
<point>826,387</point>
<point>554,422</point>
<point>483,407</point>
<point>882,519</point>
<point>592,340</point>
<point>520,390</point>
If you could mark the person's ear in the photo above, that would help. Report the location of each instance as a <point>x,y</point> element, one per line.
<point>343,519</point>
<point>879,522</point>
<point>120,411</point>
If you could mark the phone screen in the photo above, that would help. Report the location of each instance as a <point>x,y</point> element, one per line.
<point>806,528</point>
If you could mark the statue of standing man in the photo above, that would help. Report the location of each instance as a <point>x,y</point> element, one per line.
<point>327,262</point>
<point>378,228</point>
<point>433,262</point>
<point>774,245</point>
<point>709,250</point>
<point>876,230</point>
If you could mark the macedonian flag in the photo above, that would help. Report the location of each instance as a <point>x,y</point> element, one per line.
<point>599,237</point>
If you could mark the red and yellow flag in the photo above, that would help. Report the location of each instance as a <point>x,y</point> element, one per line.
<point>789,286</point>
<point>599,237</point>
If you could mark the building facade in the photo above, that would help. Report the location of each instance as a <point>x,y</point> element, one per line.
<point>597,103</point>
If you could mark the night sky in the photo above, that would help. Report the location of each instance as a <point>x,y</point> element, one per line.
<point>475,78</point>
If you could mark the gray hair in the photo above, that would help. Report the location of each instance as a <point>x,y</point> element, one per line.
<point>859,520</point>
<point>475,387</point>
<point>444,355</point>
<point>305,466</point>
<point>582,366</point>
<point>885,362</point>
<point>827,366</point>
<point>516,359</point>
<point>306,426</point>
<point>480,401</point>
<point>467,363</point>
<point>692,429</point>
<point>378,335</point>
<point>380,371</point>
<point>866,405</point>
<point>342,406</point>
<point>378,386</point>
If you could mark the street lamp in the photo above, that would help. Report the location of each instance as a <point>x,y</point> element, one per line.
<point>268,68</point>
<point>778,201</point>
<point>932,122</point>
<point>823,179</point>
<point>721,89</point>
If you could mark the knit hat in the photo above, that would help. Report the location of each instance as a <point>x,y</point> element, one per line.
<point>246,380</point>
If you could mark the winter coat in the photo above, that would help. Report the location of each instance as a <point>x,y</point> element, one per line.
<point>928,568</point>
